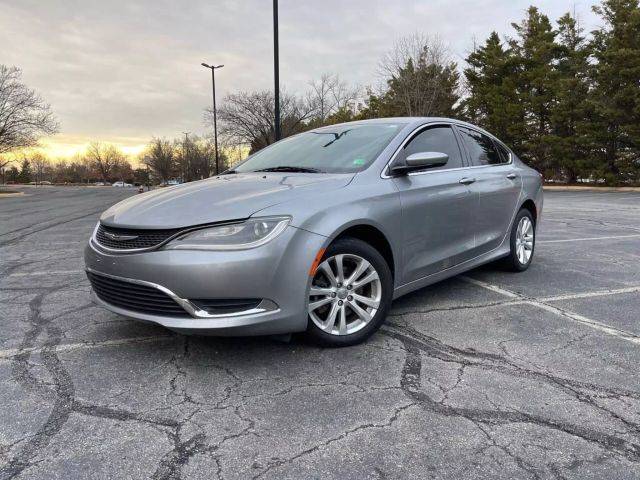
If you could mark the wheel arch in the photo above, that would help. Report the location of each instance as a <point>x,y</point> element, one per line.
<point>531,206</point>
<point>373,236</point>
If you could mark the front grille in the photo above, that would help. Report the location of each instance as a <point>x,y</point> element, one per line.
<point>143,238</point>
<point>135,297</point>
<point>230,305</point>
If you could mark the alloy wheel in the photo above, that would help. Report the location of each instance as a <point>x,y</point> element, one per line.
<point>524,240</point>
<point>345,294</point>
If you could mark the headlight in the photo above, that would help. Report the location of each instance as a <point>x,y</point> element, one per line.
<point>235,236</point>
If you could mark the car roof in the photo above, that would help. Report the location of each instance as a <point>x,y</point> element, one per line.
<point>410,123</point>
<point>413,121</point>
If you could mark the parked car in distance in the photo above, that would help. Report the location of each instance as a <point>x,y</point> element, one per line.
<point>102,184</point>
<point>318,232</point>
<point>121,184</point>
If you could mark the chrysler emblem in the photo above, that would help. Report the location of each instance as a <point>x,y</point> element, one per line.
<point>119,238</point>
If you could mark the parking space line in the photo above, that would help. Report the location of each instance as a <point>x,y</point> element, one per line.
<point>601,293</point>
<point>14,352</point>
<point>622,334</point>
<point>493,288</point>
<point>587,239</point>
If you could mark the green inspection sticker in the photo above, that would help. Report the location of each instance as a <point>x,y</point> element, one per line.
<point>358,161</point>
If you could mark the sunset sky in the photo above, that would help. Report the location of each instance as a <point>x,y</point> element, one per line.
<point>123,71</point>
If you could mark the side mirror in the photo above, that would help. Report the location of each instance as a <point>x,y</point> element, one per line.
<point>420,161</point>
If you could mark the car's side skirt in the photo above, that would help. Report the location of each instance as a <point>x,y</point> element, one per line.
<point>495,254</point>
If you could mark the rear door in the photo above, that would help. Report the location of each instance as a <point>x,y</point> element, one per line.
<point>436,207</point>
<point>496,185</point>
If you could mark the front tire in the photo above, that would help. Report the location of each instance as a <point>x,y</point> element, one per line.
<point>522,241</point>
<point>350,294</point>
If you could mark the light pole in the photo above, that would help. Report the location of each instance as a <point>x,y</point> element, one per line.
<point>215,120</point>
<point>276,70</point>
<point>185,154</point>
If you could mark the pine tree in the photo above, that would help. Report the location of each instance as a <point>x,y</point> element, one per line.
<point>615,131</point>
<point>492,100</point>
<point>569,113</point>
<point>420,83</point>
<point>13,174</point>
<point>25,171</point>
<point>535,51</point>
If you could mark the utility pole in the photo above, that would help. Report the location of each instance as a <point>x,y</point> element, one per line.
<point>215,120</point>
<point>185,162</point>
<point>276,70</point>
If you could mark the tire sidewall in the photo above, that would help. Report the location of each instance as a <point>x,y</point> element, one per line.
<point>514,232</point>
<point>366,251</point>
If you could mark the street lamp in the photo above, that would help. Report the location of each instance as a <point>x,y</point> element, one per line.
<point>276,70</point>
<point>215,120</point>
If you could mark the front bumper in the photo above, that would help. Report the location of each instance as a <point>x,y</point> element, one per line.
<point>277,273</point>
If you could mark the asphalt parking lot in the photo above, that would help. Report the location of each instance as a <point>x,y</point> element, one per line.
<point>488,375</point>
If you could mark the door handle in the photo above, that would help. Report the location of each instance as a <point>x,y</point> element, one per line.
<point>467,180</point>
<point>512,176</point>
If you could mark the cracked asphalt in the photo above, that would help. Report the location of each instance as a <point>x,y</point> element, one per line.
<point>487,375</point>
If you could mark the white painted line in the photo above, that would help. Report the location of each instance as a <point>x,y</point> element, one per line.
<point>588,239</point>
<point>622,334</point>
<point>601,293</point>
<point>66,347</point>
<point>49,272</point>
<point>493,288</point>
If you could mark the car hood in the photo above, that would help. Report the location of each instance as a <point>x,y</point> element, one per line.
<point>227,197</point>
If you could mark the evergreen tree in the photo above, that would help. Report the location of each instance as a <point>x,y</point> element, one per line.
<point>13,174</point>
<point>492,100</point>
<point>615,131</point>
<point>25,171</point>
<point>569,113</point>
<point>535,52</point>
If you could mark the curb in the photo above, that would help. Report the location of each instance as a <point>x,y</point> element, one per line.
<point>570,188</point>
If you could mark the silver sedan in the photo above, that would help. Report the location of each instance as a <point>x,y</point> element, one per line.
<point>319,232</point>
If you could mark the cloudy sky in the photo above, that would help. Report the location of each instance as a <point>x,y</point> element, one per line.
<point>122,71</point>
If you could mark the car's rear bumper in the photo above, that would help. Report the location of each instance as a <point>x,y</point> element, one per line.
<point>277,273</point>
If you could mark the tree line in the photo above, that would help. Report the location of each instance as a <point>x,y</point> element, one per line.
<point>162,160</point>
<point>567,102</point>
<point>100,162</point>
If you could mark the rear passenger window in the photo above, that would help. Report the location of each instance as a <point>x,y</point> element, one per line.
<point>436,139</point>
<point>504,153</point>
<point>481,148</point>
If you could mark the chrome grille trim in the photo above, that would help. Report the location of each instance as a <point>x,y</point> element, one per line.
<point>150,240</point>
<point>263,307</point>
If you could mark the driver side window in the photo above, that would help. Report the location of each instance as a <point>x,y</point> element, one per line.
<point>438,138</point>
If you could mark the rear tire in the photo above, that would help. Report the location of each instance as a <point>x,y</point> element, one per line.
<point>350,294</point>
<point>522,242</point>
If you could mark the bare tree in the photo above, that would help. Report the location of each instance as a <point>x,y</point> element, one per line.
<point>4,162</point>
<point>24,116</point>
<point>248,117</point>
<point>40,164</point>
<point>160,157</point>
<point>105,159</point>
<point>330,95</point>
<point>195,157</point>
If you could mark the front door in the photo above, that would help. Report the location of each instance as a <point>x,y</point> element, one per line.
<point>436,207</point>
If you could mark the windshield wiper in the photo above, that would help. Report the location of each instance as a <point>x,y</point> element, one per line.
<point>290,168</point>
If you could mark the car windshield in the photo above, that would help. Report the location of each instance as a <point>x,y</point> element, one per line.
<point>343,149</point>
